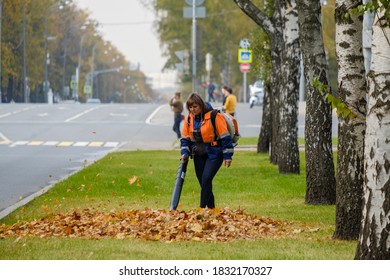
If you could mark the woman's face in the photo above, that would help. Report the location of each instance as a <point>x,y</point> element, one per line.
<point>195,109</point>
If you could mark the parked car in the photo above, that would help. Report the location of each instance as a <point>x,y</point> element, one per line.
<point>93,101</point>
<point>256,94</point>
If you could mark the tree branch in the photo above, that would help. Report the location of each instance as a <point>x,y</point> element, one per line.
<point>257,15</point>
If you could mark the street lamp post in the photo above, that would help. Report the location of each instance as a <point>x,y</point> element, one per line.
<point>79,66</point>
<point>92,73</point>
<point>93,68</point>
<point>46,62</point>
<point>24,54</point>
<point>81,26</point>
<point>1,19</point>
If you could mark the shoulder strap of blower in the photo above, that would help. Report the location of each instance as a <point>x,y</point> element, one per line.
<point>213,115</point>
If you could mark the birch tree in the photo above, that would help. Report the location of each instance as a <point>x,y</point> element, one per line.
<point>288,160</point>
<point>320,178</point>
<point>374,239</point>
<point>283,81</point>
<point>352,92</point>
<point>272,26</point>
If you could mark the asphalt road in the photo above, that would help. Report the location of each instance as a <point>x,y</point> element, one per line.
<point>41,144</point>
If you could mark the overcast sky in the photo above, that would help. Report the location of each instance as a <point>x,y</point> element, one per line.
<point>128,25</point>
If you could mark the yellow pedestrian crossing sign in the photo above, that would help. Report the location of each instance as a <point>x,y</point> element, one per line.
<point>244,56</point>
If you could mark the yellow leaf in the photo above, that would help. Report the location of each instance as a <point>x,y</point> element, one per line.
<point>132,180</point>
<point>196,227</point>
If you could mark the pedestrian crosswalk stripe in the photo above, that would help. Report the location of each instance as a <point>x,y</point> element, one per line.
<point>111,144</point>
<point>50,143</point>
<point>19,143</point>
<point>81,144</point>
<point>95,144</point>
<point>65,144</point>
<point>92,144</point>
<point>35,143</point>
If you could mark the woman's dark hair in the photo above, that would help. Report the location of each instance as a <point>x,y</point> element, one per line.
<point>228,89</point>
<point>196,98</point>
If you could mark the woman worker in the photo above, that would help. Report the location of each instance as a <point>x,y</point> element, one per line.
<point>209,147</point>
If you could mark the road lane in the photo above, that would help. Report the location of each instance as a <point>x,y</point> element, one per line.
<point>42,144</point>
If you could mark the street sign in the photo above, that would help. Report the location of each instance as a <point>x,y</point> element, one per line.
<point>244,43</point>
<point>183,66</point>
<point>245,67</point>
<point>197,2</point>
<point>244,56</point>
<point>88,89</point>
<point>200,12</point>
<point>73,84</point>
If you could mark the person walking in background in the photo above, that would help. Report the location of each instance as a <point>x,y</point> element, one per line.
<point>198,139</point>
<point>224,93</point>
<point>177,107</point>
<point>230,101</point>
<point>210,91</point>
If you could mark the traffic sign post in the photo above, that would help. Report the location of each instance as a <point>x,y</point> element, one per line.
<point>194,11</point>
<point>87,89</point>
<point>245,67</point>
<point>244,58</point>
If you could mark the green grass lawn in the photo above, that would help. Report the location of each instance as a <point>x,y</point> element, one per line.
<point>144,179</point>
<point>301,141</point>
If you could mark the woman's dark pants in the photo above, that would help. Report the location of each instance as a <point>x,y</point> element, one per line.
<point>206,169</point>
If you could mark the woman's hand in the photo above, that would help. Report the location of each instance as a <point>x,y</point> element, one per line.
<point>184,158</point>
<point>228,162</point>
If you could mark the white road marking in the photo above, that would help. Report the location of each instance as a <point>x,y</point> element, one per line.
<point>81,114</point>
<point>18,143</point>
<point>2,136</point>
<point>5,115</point>
<point>50,143</point>
<point>149,119</point>
<point>96,144</point>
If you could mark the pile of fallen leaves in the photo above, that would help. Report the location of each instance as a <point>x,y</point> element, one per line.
<point>219,225</point>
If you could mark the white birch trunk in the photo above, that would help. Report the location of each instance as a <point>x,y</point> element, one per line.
<point>352,91</point>
<point>374,240</point>
<point>289,153</point>
<point>320,178</point>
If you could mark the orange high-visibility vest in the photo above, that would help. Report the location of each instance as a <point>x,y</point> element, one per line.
<point>206,128</point>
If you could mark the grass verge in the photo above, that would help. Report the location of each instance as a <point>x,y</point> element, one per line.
<point>144,179</point>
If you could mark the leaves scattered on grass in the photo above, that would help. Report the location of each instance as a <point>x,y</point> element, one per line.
<point>216,225</point>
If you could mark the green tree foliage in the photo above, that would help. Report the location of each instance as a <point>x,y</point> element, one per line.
<point>219,34</point>
<point>261,66</point>
<point>67,26</point>
<point>374,6</point>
